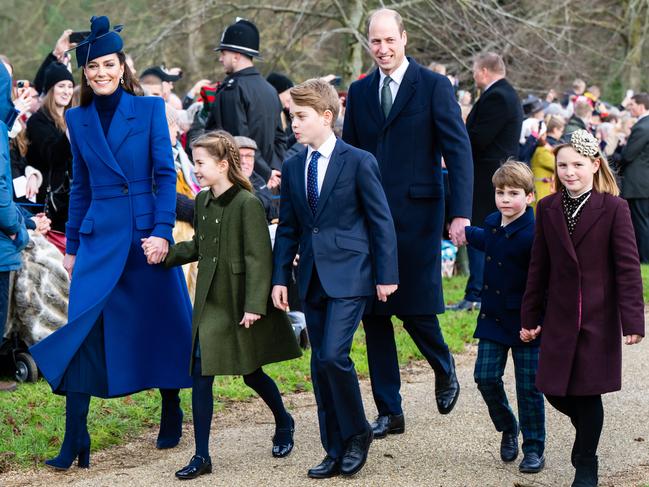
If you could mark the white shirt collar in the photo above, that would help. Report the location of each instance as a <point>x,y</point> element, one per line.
<point>491,84</point>
<point>397,75</point>
<point>643,116</point>
<point>325,149</point>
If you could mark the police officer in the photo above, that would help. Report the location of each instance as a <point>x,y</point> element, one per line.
<point>246,104</point>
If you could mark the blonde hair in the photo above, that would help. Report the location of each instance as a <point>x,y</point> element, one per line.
<point>514,174</point>
<point>221,146</point>
<point>554,122</point>
<point>603,180</point>
<point>50,108</point>
<point>319,95</point>
<point>491,61</point>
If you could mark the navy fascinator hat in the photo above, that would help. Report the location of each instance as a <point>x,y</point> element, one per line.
<point>101,41</point>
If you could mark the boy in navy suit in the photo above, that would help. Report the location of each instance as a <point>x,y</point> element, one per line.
<point>331,202</point>
<point>506,240</point>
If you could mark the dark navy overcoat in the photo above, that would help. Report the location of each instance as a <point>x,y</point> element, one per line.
<point>124,189</point>
<point>423,125</point>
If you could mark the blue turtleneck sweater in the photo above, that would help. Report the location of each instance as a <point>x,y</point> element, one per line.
<point>106,106</point>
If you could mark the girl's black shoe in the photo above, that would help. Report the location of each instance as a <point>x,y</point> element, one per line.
<point>197,466</point>
<point>283,440</point>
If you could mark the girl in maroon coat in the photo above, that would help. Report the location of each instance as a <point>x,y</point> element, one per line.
<point>584,290</point>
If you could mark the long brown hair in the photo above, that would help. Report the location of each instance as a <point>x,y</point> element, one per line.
<point>603,180</point>
<point>221,146</point>
<point>130,85</point>
<point>50,109</point>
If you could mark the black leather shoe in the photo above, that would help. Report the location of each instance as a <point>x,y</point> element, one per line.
<point>464,305</point>
<point>447,390</point>
<point>532,463</point>
<point>283,440</point>
<point>509,446</point>
<point>327,468</point>
<point>197,466</point>
<point>390,424</point>
<point>356,453</point>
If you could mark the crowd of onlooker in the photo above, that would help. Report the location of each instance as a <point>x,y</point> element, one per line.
<point>41,156</point>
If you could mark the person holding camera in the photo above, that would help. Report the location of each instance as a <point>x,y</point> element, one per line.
<point>49,148</point>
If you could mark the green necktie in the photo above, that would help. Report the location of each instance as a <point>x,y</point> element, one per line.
<point>386,96</point>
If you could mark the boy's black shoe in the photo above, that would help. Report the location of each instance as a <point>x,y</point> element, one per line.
<point>390,424</point>
<point>327,468</point>
<point>509,446</point>
<point>355,455</point>
<point>197,466</point>
<point>532,463</point>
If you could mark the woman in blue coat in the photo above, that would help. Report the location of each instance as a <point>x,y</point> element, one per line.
<point>129,323</point>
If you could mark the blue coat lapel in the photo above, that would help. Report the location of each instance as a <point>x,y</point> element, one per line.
<point>122,122</point>
<point>336,162</point>
<point>373,102</point>
<point>96,140</point>
<point>301,185</point>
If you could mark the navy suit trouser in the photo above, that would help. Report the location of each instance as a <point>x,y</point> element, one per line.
<point>331,324</point>
<point>382,355</point>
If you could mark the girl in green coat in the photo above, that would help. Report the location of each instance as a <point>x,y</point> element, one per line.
<point>235,330</point>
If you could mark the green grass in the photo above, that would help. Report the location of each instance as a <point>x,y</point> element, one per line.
<point>32,419</point>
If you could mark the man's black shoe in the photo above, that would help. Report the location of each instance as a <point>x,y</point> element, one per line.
<point>197,466</point>
<point>509,446</point>
<point>532,463</point>
<point>390,424</point>
<point>447,390</point>
<point>464,305</point>
<point>327,468</point>
<point>356,453</point>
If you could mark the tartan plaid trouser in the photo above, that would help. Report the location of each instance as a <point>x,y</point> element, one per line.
<point>488,374</point>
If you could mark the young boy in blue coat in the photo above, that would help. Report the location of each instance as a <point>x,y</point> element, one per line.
<point>332,202</point>
<point>506,240</point>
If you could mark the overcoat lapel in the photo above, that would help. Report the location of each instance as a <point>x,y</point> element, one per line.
<point>122,123</point>
<point>558,223</point>
<point>591,212</point>
<point>96,140</point>
<point>333,171</point>
<point>406,90</point>
<point>373,102</point>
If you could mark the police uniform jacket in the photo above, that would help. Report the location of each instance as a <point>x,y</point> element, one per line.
<point>233,250</point>
<point>246,104</point>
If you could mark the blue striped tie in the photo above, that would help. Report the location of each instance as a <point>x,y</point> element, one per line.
<point>312,182</point>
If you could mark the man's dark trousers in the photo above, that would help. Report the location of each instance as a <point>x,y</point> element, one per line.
<point>382,355</point>
<point>639,208</point>
<point>331,323</point>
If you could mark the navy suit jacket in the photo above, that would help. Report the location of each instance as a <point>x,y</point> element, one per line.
<point>423,125</point>
<point>350,240</point>
<point>507,257</point>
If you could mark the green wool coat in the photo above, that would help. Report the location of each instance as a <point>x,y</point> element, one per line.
<point>232,246</point>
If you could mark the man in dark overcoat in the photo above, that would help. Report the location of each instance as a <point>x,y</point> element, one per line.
<point>246,104</point>
<point>408,118</point>
<point>494,127</point>
<point>634,168</point>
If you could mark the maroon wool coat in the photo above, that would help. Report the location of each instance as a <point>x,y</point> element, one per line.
<point>593,287</point>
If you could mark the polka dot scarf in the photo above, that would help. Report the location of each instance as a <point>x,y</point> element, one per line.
<point>572,207</point>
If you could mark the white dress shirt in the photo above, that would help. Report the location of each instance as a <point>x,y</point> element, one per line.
<point>325,151</point>
<point>397,78</point>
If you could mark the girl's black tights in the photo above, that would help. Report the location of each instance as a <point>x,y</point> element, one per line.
<point>203,403</point>
<point>587,416</point>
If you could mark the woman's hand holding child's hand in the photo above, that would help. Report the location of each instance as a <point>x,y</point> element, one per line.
<point>632,339</point>
<point>248,319</point>
<point>155,249</point>
<point>529,335</point>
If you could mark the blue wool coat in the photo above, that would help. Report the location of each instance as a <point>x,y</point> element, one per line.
<point>124,189</point>
<point>423,125</point>
<point>507,257</point>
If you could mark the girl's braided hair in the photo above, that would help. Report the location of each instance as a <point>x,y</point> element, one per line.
<point>221,146</point>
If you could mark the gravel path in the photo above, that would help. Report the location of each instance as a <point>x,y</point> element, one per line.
<point>457,450</point>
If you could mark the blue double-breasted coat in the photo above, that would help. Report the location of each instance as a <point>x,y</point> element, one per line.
<point>123,190</point>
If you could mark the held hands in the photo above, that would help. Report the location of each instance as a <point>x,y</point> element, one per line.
<point>280,297</point>
<point>248,319</point>
<point>529,335</point>
<point>383,291</point>
<point>632,339</point>
<point>456,231</point>
<point>155,249</point>
<point>68,263</point>
<point>42,223</point>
